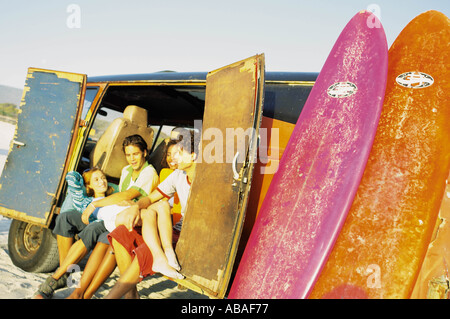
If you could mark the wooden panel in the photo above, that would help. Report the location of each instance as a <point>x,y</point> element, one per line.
<point>31,179</point>
<point>213,220</point>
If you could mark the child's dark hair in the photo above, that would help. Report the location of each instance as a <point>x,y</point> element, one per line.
<point>188,141</point>
<point>170,143</point>
<point>135,140</point>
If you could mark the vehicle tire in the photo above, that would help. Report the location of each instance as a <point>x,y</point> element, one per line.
<point>32,248</point>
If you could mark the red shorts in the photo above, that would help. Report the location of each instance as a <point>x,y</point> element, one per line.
<point>134,244</point>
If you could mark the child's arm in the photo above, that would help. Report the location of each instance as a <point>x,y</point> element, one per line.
<point>150,199</point>
<point>107,201</point>
<point>131,216</point>
<point>76,197</point>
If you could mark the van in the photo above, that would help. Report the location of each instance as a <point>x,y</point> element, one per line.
<point>71,122</point>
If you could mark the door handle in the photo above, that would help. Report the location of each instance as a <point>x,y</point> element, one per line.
<point>235,172</point>
<point>18,144</point>
<point>237,176</point>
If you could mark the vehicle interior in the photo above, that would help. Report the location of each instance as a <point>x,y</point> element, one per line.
<point>150,111</point>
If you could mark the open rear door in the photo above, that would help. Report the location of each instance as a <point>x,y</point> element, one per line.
<point>31,180</point>
<point>216,207</point>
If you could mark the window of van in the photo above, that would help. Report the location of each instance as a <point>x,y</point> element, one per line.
<point>161,133</point>
<point>89,97</point>
<point>285,102</point>
<point>103,119</point>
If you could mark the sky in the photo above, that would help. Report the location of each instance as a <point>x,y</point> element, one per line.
<point>135,36</point>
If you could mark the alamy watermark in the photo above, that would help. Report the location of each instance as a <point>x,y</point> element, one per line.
<point>231,145</point>
<point>374,20</point>
<point>73,280</point>
<point>373,273</point>
<point>73,20</point>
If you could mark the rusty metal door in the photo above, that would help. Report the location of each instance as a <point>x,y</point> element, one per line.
<point>218,199</point>
<point>49,111</point>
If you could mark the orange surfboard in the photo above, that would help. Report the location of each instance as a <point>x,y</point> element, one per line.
<point>433,280</point>
<point>383,242</point>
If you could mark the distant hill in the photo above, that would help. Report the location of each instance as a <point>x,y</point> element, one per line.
<point>10,94</point>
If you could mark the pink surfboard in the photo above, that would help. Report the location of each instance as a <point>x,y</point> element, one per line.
<point>320,170</point>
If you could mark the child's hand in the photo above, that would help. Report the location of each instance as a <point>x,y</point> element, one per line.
<point>87,213</point>
<point>130,217</point>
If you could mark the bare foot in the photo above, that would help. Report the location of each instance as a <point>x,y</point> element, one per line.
<point>75,295</point>
<point>132,294</point>
<point>172,260</point>
<point>162,266</point>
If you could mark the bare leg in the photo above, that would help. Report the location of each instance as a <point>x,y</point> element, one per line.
<point>152,239</point>
<point>123,258</point>
<point>75,254</point>
<point>64,244</point>
<point>126,285</point>
<point>165,233</point>
<point>124,261</point>
<point>92,269</point>
<point>104,271</point>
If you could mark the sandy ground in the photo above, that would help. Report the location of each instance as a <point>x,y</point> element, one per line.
<point>18,284</point>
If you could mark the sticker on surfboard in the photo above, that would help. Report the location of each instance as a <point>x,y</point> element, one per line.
<point>415,80</point>
<point>342,89</point>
